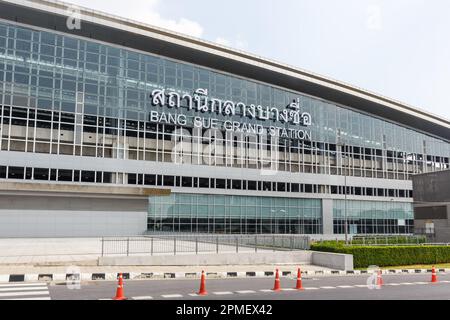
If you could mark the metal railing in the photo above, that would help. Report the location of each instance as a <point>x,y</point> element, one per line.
<point>201,244</point>
<point>387,240</point>
<point>425,231</point>
<point>406,244</point>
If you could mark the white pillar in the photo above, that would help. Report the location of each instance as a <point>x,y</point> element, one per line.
<point>327,216</point>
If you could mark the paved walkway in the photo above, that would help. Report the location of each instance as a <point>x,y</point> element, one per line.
<point>35,251</point>
<point>85,251</point>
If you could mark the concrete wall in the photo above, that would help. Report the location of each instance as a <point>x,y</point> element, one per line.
<point>332,260</point>
<point>432,187</point>
<point>30,216</point>
<point>328,260</point>
<point>441,229</point>
<point>432,204</point>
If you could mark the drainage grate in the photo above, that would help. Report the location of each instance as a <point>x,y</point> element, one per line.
<point>17,278</point>
<point>286,273</point>
<point>268,273</point>
<point>190,275</point>
<point>73,277</point>
<point>250,274</point>
<point>319,272</point>
<point>232,274</point>
<point>98,276</point>
<point>169,275</point>
<point>45,277</point>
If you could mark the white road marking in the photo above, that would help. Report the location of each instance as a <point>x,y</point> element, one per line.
<point>421,282</point>
<point>223,293</point>
<point>346,287</point>
<point>28,293</point>
<point>266,290</point>
<point>393,284</point>
<point>22,289</point>
<point>24,299</point>
<point>360,285</point>
<point>327,287</point>
<point>193,294</point>
<point>172,296</point>
<point>13,284</point>
<point>289,289</point>
<point>245,291</point>
<point>311,288</point>
<point>143,298</point>
<point>406,284</point>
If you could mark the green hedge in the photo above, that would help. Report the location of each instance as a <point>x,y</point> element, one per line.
<point>388,256</point>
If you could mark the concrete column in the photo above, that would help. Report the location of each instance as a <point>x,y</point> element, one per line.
<point>327,216</point>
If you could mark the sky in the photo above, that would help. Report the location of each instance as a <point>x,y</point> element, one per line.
<point>396,48</point>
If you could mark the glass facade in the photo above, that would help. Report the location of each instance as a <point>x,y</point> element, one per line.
<point>234,214</point>
<point>61,95</point>
<point>373,217</point>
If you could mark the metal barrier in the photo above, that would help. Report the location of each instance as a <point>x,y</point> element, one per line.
<point>387,240</point>
<point>405,244</point>
<point>200,244</point>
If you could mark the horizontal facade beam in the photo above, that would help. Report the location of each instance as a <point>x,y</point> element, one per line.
<point>79,190</point>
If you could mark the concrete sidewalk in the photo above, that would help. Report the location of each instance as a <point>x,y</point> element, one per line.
<point>155,269</point>
<point>86,251</point>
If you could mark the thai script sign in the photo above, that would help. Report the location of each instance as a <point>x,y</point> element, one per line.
<point>202,103</point>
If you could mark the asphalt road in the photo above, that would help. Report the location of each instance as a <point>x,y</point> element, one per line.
<point>396,287</point>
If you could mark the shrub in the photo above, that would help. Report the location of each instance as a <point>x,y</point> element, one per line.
<point>387,256</point>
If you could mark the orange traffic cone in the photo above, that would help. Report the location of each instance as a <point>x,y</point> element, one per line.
<point>202,291</point>
<point>277,286</point>
<point>379,279</point>
<point>299,285</point>
<point>119,292</point>
<point>434,278</point>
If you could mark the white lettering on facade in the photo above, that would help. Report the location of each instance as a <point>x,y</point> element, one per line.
<point>200,102</point>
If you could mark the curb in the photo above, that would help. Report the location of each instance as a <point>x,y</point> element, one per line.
<point>17,278</point>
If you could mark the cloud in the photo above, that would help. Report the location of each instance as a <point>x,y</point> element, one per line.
<point>222,41</point>
<point>144,11</point>
<point>374,18</point>
<point>238,42</point>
